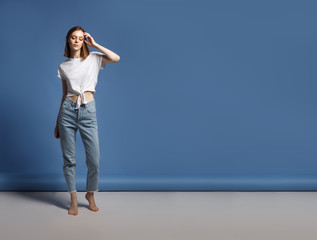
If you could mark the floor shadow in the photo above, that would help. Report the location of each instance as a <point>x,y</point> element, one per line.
<point>59,199</point>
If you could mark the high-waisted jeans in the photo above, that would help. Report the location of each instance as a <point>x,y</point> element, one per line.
<point>84,118</point>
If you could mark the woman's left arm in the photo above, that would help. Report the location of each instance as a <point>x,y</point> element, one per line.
<point>109,56</point>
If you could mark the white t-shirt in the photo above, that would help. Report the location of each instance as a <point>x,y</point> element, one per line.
<point>81,75</point>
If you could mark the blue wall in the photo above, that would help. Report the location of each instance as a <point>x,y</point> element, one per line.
<point>208,95</point>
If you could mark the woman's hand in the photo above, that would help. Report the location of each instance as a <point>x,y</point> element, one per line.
<point>56,132</point>
<point>91,42</point>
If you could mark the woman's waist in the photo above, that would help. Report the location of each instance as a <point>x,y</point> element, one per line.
<point>89,96</point>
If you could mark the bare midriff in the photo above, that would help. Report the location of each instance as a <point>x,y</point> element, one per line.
<point>88,95</point>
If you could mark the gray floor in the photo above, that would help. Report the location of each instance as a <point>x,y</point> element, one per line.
<point>160,216</point>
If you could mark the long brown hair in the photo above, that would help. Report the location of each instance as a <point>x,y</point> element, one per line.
<point>84,49</point>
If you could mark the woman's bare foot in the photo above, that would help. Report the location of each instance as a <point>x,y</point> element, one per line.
<point>73,210</point>
<point>92,205</point>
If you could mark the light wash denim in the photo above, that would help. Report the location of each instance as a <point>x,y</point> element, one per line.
<point>69,120</point>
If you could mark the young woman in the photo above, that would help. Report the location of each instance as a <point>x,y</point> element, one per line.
<point>79,75</point>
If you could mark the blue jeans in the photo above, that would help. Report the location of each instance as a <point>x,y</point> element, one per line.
<point>69,120</point>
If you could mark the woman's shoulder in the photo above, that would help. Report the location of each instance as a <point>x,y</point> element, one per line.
<point>61,63</point>
<point>95,53</point>
<point>64,62</point>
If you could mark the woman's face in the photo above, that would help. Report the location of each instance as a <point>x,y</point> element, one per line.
<point>76,40</point>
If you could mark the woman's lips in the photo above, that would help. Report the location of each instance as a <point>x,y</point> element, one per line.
<point>76,45</point>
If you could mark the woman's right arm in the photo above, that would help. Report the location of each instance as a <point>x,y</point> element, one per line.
<point>64,84</point>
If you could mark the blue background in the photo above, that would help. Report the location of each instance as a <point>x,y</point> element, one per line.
<point>208,95</point>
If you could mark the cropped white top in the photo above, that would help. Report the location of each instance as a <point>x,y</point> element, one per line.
<point>81,75</point>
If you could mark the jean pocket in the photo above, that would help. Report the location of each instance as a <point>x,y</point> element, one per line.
<point>91,108</point>
<point>66,105</point>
